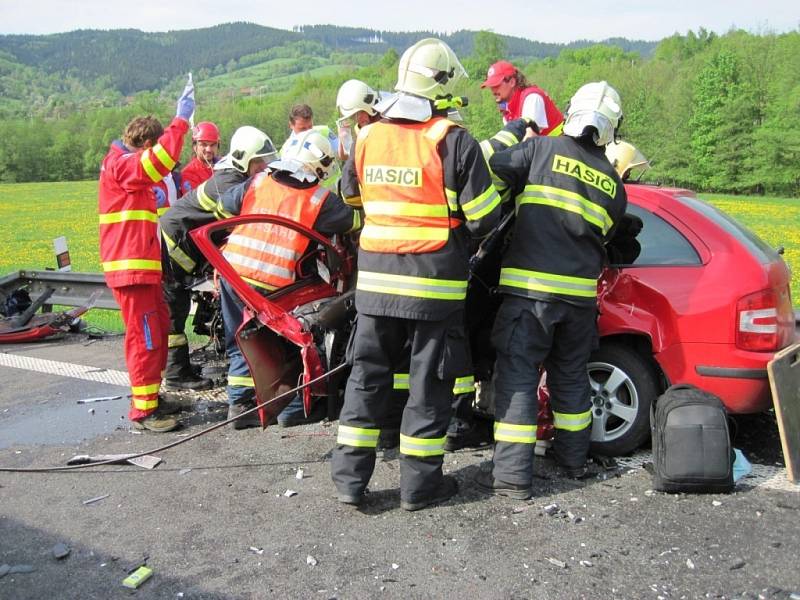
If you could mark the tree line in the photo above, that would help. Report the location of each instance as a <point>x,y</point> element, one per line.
<point>713,113</point>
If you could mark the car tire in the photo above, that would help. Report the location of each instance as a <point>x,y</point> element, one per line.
<point>624,386</point>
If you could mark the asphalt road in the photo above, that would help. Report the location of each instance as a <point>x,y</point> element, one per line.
<point>215,520</point>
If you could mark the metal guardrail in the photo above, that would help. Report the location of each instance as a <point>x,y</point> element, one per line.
<point>71,288</point>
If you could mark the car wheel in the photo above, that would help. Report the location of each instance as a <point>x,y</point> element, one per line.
<point>624,385</point>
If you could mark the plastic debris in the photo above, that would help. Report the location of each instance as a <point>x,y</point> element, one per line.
<point>138,577</point>
<point>551,509</point>
<point>558,563</point>
<point>99,399</point>
<point>574,518</point>
<point>255,550</point>
<point>311,561</point>
<point>299,474</point>
<point>689,563</point>
<point>96,499</point>
<point>716,503</point>
<point>395,566</point>
<point>586,563</point>
<point>289,493</point>
<point>741,466</point>
<point>184,471</point>
<point>61,550</point>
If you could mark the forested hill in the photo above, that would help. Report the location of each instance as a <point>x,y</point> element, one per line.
<point>129,60</point>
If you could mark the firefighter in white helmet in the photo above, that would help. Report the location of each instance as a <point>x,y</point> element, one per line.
<point>426,190</point>
<point>569,201</point>
<point>250,149</point>
<point>356,104</point>
<point>266,256</point>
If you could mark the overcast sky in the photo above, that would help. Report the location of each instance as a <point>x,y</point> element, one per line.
<point>554,21</point>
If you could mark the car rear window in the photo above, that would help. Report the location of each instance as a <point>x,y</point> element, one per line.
<point>762,251</point>
<point>661,243</point>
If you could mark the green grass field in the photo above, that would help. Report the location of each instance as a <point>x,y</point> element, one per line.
<point>33,214</point>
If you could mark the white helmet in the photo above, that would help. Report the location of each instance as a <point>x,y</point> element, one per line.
<point>308,157</point>
<point>624,156</point>
<point>595,105</point>
<point>247,143</point>
<point>429,69</point>
<point>355,95</point>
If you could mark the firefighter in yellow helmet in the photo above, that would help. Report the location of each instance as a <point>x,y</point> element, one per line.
<point>426,190</point>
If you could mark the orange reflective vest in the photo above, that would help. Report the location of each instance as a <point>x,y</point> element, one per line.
<point>266,255</point>
<point>402,187</point>
<point>130,248</point>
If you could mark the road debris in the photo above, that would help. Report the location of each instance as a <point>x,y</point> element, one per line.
<point>185,471</point>
<point>96,499</point>
<point>586,563</point>
<point>690,563</point>
<point>61,550</point>
<point>551,509</point>
<point>289,493</point>
<point>558,563</point>
<point>99,399</point>
<point>138,577</point>
<point>395,566</point>
<point>311,561</point>
<point>255,550</point>
<point>299,474</point>
<point>147,461</point>
<point>737,565</point>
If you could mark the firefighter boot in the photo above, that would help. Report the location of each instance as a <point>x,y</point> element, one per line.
<point>179,373</point>
<point>486,483</point>
<point>157,422</point>
<point>446,490</point>
<point>250,420</point>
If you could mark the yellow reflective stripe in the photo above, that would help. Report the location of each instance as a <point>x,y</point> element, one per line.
<point>438,129</point>
<point>505,137</point>
<point>240,381</point>
<point>164,157</point>
<point>464,385</point>
<point>177,254</point>
<point>124,265</point>
<point>177,339</point>
<point>414,446</point>
<point>220,212</point>
<point>260,284</point>
<point>400,381</point>
<point>128,215</point>
<point>572,421</point>
<point>558,130</point>
<point>406,209</point>
<point>548,282</point>
<point>482,205</point>
<point>451,196</point>
<point>142,404</point>
<point>381,232</point>
<point>149,167</point>
<point>145,390</point>
<point>487,149</point>
<point>206,202</point>
<point>566,200</point>
<point>359,437</point>
<point>354,201</point>
<point>514,433</point>
<point>357,223</point>
<point>416,287</point>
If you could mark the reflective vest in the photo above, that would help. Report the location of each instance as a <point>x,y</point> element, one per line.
<point>402,187</point>
<point>266,255</point>
<point>555,120</point>
<point>130,250</point>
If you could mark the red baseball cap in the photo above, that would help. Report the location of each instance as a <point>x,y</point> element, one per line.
<point>498,72</point>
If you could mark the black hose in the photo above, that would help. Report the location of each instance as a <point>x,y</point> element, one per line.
<point>178,442</point>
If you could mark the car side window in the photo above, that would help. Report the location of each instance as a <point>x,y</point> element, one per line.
<point>661,243</point>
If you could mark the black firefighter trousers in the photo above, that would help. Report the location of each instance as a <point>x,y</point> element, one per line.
<point>379,349</point>
<point>529,333</point>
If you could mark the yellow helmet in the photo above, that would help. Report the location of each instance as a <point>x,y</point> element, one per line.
<point>624,157</point>
<point>429,69</point>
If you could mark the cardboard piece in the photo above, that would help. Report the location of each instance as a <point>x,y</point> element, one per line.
<point>784,380</point>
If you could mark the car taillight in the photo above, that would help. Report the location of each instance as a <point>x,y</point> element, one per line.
<point>765,321</point>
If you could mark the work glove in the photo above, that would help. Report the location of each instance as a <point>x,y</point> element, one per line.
<point>186,102</point>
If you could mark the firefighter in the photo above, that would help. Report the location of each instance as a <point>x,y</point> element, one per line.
<point>130,252</point>
<point>356,102</point>
<point>425,189</point>
<point>516,98</point>
<point>266,257</point>
<point>569,200</point>
<point>205,147</point>
<point>250,150</point>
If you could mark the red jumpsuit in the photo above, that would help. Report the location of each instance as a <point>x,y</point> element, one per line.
<point>193,174</point>
<point>130,253</point>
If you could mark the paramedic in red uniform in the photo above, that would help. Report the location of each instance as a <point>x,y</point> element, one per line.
<point>205,147</point>
<point>130,251</point>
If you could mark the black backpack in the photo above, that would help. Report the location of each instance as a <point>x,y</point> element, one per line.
<point>691,442</point>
